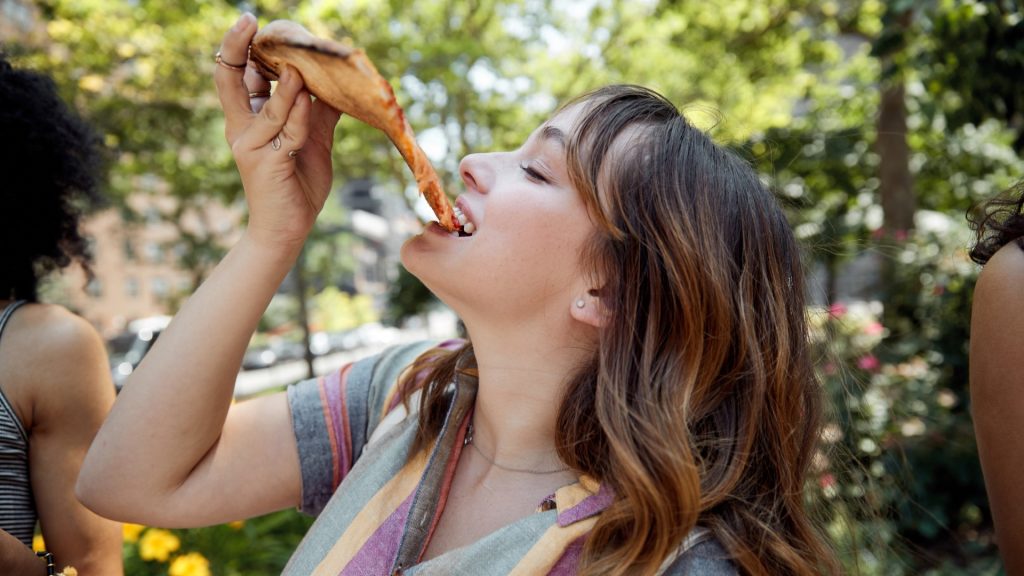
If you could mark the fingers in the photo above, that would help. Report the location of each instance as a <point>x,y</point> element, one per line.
<point>234,51</point>
<point>296,130</point>
<point>324,119</point>
<point>277,118</point>
<point>258,88</point>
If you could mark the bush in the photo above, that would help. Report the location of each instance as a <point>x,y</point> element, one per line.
<point>903,480</point>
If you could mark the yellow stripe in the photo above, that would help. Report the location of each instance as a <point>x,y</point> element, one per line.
<point>543,556</point>
<point>376,511</point>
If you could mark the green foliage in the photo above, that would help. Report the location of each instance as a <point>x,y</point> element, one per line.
<point>408,297</point>
<point>794,83</point>
<point>904,466</point>
<point>257,547</point>
<point>335,311</point>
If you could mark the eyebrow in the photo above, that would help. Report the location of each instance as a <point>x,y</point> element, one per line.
<point>552,133</point>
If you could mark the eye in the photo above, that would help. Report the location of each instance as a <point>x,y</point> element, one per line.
<point>532,174</point>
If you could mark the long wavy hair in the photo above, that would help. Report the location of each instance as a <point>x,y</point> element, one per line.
<point>700,406</point>
<point>997,223</point>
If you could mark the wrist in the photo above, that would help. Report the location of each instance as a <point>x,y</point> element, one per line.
<point>275,247</point>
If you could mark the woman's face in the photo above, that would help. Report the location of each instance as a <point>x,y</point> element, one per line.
<point>530,225</point>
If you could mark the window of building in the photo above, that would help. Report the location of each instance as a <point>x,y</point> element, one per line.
<point>131,287</point>
<point>160,286</point>
<point>94,288</point>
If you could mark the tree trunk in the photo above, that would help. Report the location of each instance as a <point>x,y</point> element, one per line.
<point>896,186</point>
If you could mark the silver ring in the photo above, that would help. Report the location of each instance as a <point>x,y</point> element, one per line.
<point>261,94</point>
<point>293,153</point>
<point>276,142</point>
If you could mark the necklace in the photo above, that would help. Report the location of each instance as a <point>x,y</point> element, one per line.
<point>469,441</point>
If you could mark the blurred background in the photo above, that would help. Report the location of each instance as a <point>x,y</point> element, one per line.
<point>879,124</point>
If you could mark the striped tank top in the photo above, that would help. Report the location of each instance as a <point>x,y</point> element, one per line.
<point>17,508</point>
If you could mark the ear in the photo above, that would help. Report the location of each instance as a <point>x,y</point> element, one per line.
<point>589,309</point>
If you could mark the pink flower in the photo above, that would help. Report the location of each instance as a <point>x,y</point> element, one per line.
<point>829,368</point>
<point>868,362</point>
<point>837,310</point>
<point>827,481</point>
<point>874,329</point>
<point>901,235</point>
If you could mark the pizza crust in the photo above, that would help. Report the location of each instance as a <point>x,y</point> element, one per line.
<point>345,78</point>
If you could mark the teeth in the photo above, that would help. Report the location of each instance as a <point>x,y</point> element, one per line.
<point>469,227</point>
<point>460,216</point>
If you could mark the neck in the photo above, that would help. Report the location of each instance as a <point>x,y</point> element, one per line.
<point>521,384</point>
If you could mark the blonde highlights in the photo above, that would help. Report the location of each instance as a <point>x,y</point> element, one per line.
<point>700,406</point>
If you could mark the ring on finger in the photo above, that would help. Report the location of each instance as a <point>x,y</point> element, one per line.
<point>236,67</point>
<point>260,94</point>
<point>276,142</point>
<point>293,153</point>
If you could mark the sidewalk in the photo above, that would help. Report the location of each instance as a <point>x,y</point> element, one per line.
<point>253,382</point>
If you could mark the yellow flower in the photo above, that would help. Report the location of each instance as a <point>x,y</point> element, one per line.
<point>131,532</point>
<point>157,544</point>
<point>191,564</point>
<point>37,543</point>
<point>237,524</point>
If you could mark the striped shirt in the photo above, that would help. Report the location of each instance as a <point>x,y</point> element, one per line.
<point>378,504</point>
<point>17,507</point>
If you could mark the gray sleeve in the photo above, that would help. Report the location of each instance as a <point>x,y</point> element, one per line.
<point>314,445</point>
<point>365,387</point>
<point>706,558</point>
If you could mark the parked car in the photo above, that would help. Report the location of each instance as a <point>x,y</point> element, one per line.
<point>259,357</point>
<point>128,348</point>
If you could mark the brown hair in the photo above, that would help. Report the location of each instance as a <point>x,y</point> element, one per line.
<point>700,405</point>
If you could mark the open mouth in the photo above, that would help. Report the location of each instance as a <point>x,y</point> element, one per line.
<point>466,227</point>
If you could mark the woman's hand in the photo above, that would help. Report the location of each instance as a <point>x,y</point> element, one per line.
<point>282,146</point>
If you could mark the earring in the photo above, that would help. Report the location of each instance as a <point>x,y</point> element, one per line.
<point>580,303</point>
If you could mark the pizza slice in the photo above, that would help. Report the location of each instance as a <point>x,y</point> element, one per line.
<point>346,79</point>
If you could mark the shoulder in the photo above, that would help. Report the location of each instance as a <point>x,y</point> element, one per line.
<point>998,299</point>
<point>50,335</point>
<point>1005,266</point>
<point>55,357</point>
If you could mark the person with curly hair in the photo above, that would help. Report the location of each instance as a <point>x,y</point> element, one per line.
<point>636,394</point>
<point>996,375</point>
<point>55,384</point>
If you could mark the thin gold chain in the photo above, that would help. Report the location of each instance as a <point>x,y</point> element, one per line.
<point>469,440</point>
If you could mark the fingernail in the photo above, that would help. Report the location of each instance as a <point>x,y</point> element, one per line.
<point>241,22</point>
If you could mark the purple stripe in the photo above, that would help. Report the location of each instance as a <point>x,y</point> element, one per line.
<point>570,559</point>
<point>590,506</point>
<point>378,554</point>
<point>334,390</point>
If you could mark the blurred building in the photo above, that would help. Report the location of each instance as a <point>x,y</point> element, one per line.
<point>137,262</point>
<point>20,22</point>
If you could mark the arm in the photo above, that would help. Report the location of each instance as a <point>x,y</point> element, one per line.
<point>174,452</point>
<point>70,398</point>
<point>997,395</point>
<point>16,558</point>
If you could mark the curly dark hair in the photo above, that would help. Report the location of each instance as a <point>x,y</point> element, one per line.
<point>997,222</point>
<point>51,163</point>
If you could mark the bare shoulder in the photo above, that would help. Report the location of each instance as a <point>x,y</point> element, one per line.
<point>1002,278</point>
<point>55,357</point>
<point>997,328</point>
<point>54,329</point>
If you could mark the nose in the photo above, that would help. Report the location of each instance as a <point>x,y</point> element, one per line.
<point>477,172</point>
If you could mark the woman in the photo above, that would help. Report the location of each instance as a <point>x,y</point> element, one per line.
<point>55,385</point>
<point>637,395</point>
<point>997,380</point>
